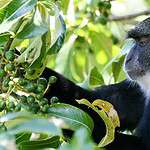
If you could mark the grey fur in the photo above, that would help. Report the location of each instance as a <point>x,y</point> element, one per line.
<point>141,29</point>
<point>137,62</point>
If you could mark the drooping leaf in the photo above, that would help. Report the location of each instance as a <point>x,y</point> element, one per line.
<point>63,57</point>
<point>52,142</point>
<point>34,27</point>
<point>72,116</point>
<point>16,14</point>
<point>58,36</point>
<point>109,116</point>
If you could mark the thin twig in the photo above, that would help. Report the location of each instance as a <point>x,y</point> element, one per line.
<point>130,16</point>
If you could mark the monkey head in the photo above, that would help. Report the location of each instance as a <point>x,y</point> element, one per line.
<point>137,62</point>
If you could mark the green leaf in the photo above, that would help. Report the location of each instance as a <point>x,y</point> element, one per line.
<point>117,66</point>
<point>81,141</point>
<point>25,8</point>
<point>52,142</point>
<point>32,52</point>
<point>15,115</point>
<point>34,27</point>
<point>95,77</point>
<point>64,56</point>
<point>4,3</point>
<point>35,125</point>
<point>21,137</point>
<point>73,117</point>
<point>4,38</point>
<point>59,36</point>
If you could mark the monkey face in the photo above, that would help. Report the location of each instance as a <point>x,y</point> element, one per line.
<point>137,62</point>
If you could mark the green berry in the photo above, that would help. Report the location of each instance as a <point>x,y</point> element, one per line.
<point>9,67</point>
<point>101,5</point>
<point>30,99</point>
<point>107,5</point>
<point>11,105</point>
<point>22,82</point>
<point>2,105</point>
<point>18,107</point>
<point>3,128</point>
<point>40,88</point>
<point>39,96</point>
<point>6,82</point>
<point>2,73</point>
<point>9,55</point>
<point>103,20</point>
<point>30,71</point>
<point>23,99</point>
<point>30,87</point>
<point>42,81</point>
<point>45,108</point>
<point>54,99</point>
<point>52,79</point>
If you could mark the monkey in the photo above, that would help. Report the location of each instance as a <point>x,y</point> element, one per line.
<point>130,97</point>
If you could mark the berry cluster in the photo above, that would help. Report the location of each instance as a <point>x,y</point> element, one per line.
<point>19,93</point>
<point>104,8</point>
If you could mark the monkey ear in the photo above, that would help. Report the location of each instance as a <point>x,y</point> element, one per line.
<point>140,30</point>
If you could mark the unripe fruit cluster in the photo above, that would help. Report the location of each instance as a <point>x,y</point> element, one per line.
<point>12,80</point>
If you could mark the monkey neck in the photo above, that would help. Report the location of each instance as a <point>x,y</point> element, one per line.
<point>144,83</point>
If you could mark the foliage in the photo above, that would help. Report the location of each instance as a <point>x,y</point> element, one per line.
<point>72,37</point>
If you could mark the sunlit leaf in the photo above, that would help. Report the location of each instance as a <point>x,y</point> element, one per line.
<point>52,142</point>
<point>26,7</point>
<point>73,116</point>
<point>58,36</point>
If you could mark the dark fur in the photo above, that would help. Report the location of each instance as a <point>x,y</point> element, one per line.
<point>126,96</point>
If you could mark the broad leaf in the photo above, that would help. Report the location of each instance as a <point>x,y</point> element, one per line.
<point>58,36</point>
<point>35,125</point>
<point>34,27</point>
<point>21,137</point>
<point>52,142</point>
<point>72,116</point>
<point>25,8</point>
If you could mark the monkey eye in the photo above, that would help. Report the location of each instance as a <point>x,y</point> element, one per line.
<point>144,40</point>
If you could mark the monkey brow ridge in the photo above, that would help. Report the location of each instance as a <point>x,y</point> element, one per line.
<point>141,29</point>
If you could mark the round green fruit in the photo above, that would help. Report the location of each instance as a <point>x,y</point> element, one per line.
<point>52,79</point>
<point>9,55</point>
<point>31,99</point>
<point>9,67</point>
<point>42,81</point>
<point>54,99</point>
<point>2,73</point>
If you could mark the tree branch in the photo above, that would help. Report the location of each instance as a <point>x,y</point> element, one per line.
<point>130,16</point>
